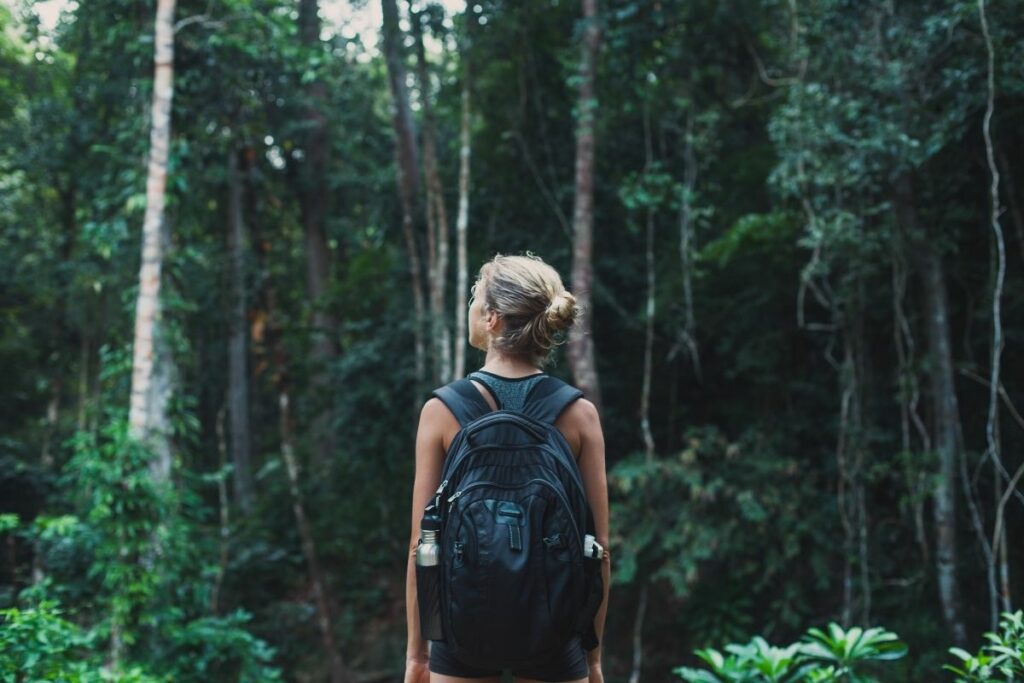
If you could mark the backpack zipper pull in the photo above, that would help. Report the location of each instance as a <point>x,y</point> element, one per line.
<point>437,494</point>
<point>454,496</point>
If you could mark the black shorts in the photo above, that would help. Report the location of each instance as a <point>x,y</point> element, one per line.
<point>569,665</point>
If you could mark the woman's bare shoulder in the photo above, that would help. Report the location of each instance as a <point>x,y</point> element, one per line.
<point>436,420</point>
<point>582,413</point>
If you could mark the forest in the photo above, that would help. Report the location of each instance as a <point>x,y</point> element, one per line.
<point>237,239</point>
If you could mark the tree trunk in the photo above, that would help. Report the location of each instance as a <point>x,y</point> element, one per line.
<point>147,417</point>
<point>238,344</point>
<point>645,391</point>
<point>278,360</point>
<point>407,163</point>
<point>638,635</point>
<point>152,374</point>
<point>436,215</point>
<point>313,193</point>
<point>462,221</point>
<point>945,436</point>
<point>581,343</point>
<point>688,335</point>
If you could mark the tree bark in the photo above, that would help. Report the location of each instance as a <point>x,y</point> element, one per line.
<point>462,220</point>
<point>581,343</point>
<point>152,372</point>
<point>407,164</point>
<point>313,196</point>
<point>238,344</point>
<point>645,391</point>
<point>146,416</point>
<point>436,214</point>
<point>946,436</point>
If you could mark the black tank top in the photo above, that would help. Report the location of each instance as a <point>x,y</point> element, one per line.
<point>509,392</point>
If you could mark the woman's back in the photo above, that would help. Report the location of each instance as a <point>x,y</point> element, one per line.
<point>510,393</point>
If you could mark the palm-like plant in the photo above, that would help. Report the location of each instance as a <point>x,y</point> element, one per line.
<point>842,651</point>
<point>756,662</point>
<point>1002,657</point>
<point>831,656</point>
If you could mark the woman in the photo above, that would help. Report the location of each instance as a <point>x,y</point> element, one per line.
<point>518,312</point>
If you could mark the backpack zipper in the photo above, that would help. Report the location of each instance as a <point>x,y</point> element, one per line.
<point>565,503</point>
<point>573,470</point>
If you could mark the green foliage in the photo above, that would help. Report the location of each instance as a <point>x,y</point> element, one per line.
<point>678,515</point>
<point>1001,660</point>
<point>828,656</point>
<point>38,644</point>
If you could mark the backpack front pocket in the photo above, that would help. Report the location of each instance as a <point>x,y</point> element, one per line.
<point>499,603</point>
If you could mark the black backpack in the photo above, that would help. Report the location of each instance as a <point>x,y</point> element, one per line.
<point>515,585</point>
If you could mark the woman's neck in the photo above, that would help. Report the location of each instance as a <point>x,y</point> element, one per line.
<point>507,366</point>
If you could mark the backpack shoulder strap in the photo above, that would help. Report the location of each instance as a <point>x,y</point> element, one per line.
<point>463,400</point>
<point>549,398</point>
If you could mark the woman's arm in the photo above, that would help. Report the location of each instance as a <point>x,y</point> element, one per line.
<point>595,483</point>
<point>434,419</point>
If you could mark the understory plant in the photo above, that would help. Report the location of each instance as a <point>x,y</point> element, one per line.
<point>1001,660</point>
<point>822,656</point>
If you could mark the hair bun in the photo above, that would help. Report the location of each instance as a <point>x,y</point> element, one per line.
<point>561,311</point>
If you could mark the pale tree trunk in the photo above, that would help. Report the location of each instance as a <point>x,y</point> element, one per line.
<point>645,391</point>
<point>407,164</point>
<point>436,215</point>
<point>238,344</point>
<point>152,374</point>
<point>462,220</point>
<point>313,193</point>
<point>146,416</point>
<point>581,342</point>
<point>946,437</point>
<point>688,335</point>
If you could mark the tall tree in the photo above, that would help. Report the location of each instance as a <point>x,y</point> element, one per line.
<point>147,416</point>
<point>462,220</point>
<point>238,343</point>
<point>152,371</point>
<point>946,435</point>
<point>407,167</point>
<point>581,342</point>
<point>436,212</point>
<point>313,192</point>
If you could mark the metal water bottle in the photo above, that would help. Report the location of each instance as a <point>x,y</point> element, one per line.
<point>428,574</point>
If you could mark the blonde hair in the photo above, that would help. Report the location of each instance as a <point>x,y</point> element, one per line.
<point>533,304</point>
